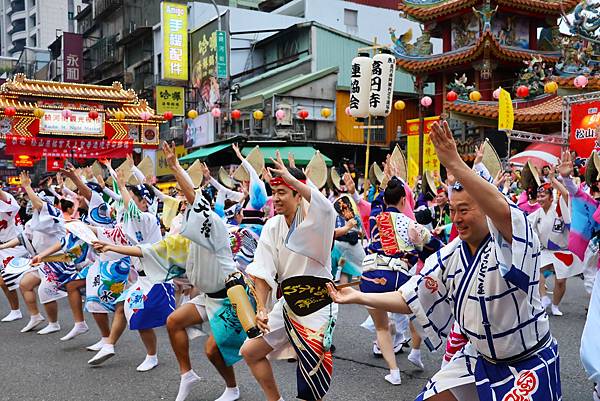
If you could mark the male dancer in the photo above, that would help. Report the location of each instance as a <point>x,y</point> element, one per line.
<point>487,279</point>
<point>296,242</point>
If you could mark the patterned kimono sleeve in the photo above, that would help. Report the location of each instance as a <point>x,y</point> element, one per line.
<point>427,296</point>
<point>49,220</point>
<point>203,226</point>
<point>165,259</point>
<point>517,261</point>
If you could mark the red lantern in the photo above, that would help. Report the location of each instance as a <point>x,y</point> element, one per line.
<point>236,114</point>
<point>10,111</point>
<point>523,91</point>
<point>303,114</point>
<point>93,114</point>
<point>168,115</point>
<point>451,96</point>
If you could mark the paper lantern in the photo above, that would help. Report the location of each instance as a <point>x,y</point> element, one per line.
<point>523,91</point>
<point>475,96</point>
<point>382,85</point>
<point>400,105</point>
<point>38,113</point>
<point>216,112</point>
<point>347,111</point>
<point>236,114</point>
<point>325,112</point>
<point>550,87</point>
<point>10,111</point>
<point>119,115</point>
<point>360,84</point>
<point>168,115</point>
<point>303,114</point>
<point>192,114</point>
<point>258,115</point>
<point>496,93</point>
<point>66,113</point>
<point>93,114</point>
<point>144,115</point>
<point>426,101</point>
<point>581,81</point>
<point>280,115</point>
<point>451,96</point>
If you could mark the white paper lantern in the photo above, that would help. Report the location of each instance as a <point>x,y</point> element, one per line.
<point>382,85</point>
<point>360,85</point>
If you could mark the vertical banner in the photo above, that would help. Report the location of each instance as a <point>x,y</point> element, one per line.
<point>72,45</point>
<point>584,125</point>
<point>222,54</point>
<point>360,86</point>
<point>170,98</point>
<point>506,114</point>
<point>430,160</point>
<point>382,85</point>
<point>174,26</point>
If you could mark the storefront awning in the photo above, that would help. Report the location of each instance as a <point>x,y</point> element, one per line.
<point>203,153</point>
<point>302,154</point>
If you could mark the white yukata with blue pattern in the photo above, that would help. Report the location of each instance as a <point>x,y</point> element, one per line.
<point>494,297</point>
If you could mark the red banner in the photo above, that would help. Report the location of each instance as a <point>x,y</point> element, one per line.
<point>72,45</point>
<point>54,163</point>
<point>585,121</point>
<point>73,148</point>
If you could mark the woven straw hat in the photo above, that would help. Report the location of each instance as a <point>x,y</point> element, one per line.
<point>256,160</point>
<point>490,159</point>
<point>398,158</point>
<point>317,170</point>
<point>225,179</point>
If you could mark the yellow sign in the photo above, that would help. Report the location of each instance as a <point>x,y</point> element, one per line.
<point>161,162</point>
<point>430,160</point>
<point>170,98</point>
<point>14,180</point>
<point>506,114</point>
<point>175,41</point>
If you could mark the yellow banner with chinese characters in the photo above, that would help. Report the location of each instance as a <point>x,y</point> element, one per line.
<point>161,162</point>
<point>174,27</point>
<point>170,98</point>
<point>506,114</point>
<point>430,160</point>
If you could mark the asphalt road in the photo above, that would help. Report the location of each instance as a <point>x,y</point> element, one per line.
<point>42,368</point>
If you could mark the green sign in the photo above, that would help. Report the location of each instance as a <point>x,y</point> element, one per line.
<point>221,54</point>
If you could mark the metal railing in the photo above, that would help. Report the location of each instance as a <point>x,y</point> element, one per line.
<point>104,52</point>
<point>106,6</point>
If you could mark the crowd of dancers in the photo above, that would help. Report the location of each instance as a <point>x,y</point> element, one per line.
<point>461,264</point>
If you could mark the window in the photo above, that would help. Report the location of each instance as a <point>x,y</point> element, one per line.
<point>350,17</point>
<point>33,41</point>
<point>32,21</point>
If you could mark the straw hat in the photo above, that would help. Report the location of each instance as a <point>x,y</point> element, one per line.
<point>400,160</point>
<point>530,177</point>
<point>490,159</point>
<point>429,186</point>
<point>225,179</point>
<point>592,169</point>
<point>69,184</point>
<point>146,166</point>
<point>196,174</point>
<point>126,168</point>
<point>375,174</point>
<point>97,169</point>
<point>317,170</point>
<point>335,178</point>
<point>256,160</point>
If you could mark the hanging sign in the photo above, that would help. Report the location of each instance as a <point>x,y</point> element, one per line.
<point>360,85</point>
<point>67,148</point>
<point>74,123</point>
<point>382,85</point>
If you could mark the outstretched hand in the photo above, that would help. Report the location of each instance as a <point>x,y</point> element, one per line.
<point>236,149</point>
<point>565,168</point>
<point>101,247</point>
<point>25,179</point>
<point>343,295</point>
<point>279,168</point>
<point>479,151</point>
<point>170,156</point>
<point>445,146</point>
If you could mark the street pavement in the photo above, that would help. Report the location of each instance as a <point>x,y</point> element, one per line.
<point>43,368</point>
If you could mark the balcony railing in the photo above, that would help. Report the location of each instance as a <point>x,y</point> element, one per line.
<point>106,6</point>
<point>104,52</point>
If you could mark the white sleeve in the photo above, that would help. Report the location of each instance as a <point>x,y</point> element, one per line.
<point>264,264</point>
<point>257,189</point>
<point>138,174</point>
<point>112,194</point>
<point>228,193</point>
<point>203,226</point>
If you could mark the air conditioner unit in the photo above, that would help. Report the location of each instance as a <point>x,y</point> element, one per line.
<point>287,120</point>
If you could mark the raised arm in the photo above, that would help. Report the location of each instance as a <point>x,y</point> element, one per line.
<point>390,301</point>
<point>122,185</point>
<point>183,179</point>
<point>489,199</point>
<point>84,190</point>
<point>565,169</point>
<point>280,169</point>
<point>102,247</point>
<point>36,202</point>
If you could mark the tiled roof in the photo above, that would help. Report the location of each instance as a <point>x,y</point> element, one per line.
<point>547,109</point>
<point>567,82</point>
<point>134,111</point>
<point>432,9</point>
<point>470,53</point>
<point>21,86</point>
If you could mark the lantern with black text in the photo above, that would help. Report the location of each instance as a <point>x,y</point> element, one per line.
<point>382,84</point>
<point>360,85</point>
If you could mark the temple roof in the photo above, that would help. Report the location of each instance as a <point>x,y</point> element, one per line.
<point>469,53</point>
<point>547,109</point>
<point>429,10</point>
<point>20,85</point>
<point>568,82</point>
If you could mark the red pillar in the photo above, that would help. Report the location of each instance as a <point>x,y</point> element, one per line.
<point>533,34</point>
<point>438,100</point>
<point>485,88</point>
<point>447,40</point>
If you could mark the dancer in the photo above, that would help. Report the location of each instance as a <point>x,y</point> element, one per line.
<point>487,279</point>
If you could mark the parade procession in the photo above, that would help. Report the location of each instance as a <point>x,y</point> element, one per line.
<point>300,199</point>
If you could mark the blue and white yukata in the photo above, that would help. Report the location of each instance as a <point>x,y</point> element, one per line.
<point>494,296</point>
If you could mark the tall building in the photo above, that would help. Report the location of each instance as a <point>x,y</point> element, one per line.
<point>34,23</point>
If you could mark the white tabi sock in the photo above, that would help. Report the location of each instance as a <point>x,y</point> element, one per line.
<point>556,311</point>
<point>546,301</point>
<point>149,363</point>
<point>394,377</point>
<point>34,321</point>
<point>52,327</point>
<point>230,394</point>
<point>98,346</point>
<point>78,329</point>
<point>188,380</point>
<point>415,358</point>
<point>107,351</point>
<point>12,316</point>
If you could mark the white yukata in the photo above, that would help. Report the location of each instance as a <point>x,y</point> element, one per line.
<point>494,296</point>
<point>9,230</point>
<point>303,250</point>
<point>203,252</point>
<point>552,229</point>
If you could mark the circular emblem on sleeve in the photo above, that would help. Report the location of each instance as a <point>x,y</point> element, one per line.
<point>431,284</point>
